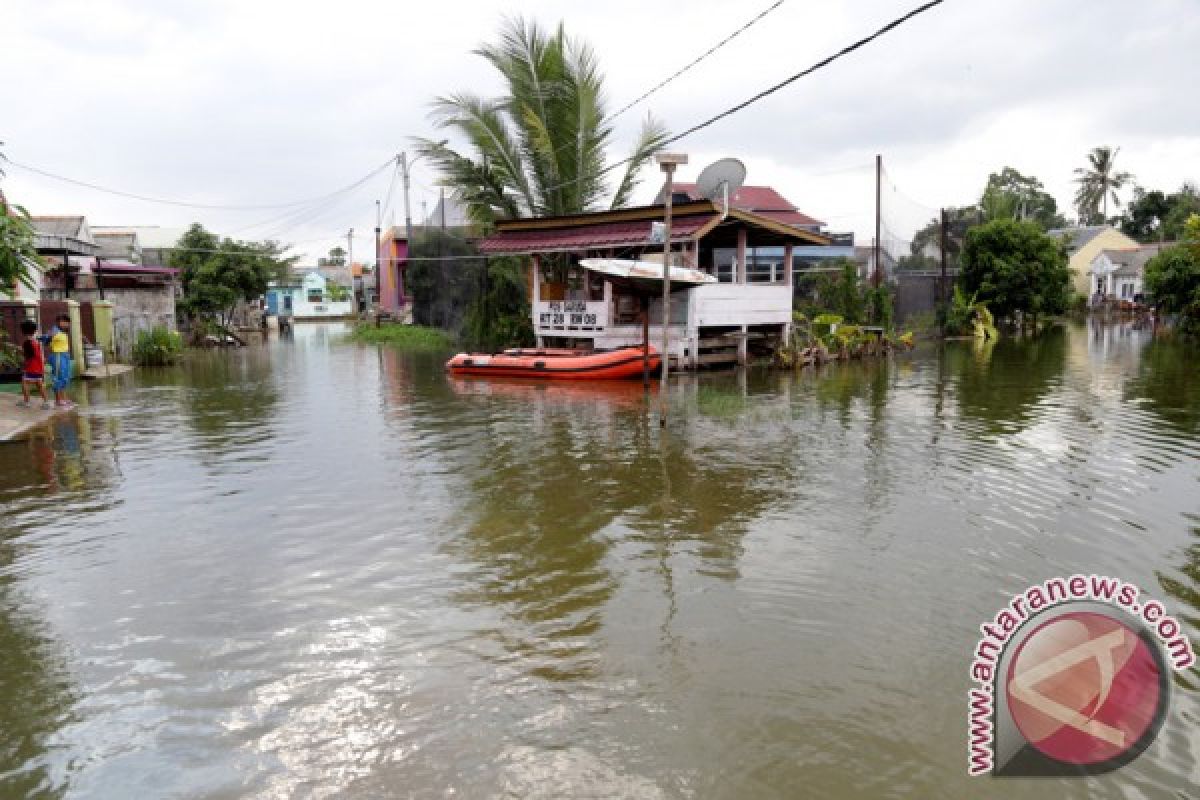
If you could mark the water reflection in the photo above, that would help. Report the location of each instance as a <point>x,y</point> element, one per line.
<point>323,569</point>
<point>1002,383</point>
<point>1168,381</point>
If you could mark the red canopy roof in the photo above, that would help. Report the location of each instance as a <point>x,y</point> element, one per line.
<point>762,200</point>
<point>584,237</point>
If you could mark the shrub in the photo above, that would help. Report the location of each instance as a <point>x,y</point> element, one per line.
<point>11,357</point>
<point>405,337</point>
<point>157,347</point>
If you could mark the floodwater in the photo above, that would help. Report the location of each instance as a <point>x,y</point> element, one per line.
<point>314,569</point>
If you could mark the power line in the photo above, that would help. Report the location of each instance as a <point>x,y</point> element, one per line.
<point>805,72</point>
<point>697,60</point>
<point>188,204</point>
<point>895,23</point>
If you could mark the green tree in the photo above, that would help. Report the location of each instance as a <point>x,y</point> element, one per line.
<point>539,149</point>
<point>1173,277</point>
<point>336,258</point>
<point>1011,195</point>
<point>216,275</point>
<point>18,255</point>
<point>1014,266</point>
<point>1155,216</point>
<point>1099,181</point>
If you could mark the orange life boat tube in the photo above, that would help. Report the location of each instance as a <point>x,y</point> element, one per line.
<point>568,365</point>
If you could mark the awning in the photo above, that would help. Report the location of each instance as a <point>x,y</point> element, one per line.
<point>646,276</point>
<point>590,237</point>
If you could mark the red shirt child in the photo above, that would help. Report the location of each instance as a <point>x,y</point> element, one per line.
<point>33,371</point>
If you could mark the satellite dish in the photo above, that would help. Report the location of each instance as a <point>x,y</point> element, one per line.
<point>721,179</point>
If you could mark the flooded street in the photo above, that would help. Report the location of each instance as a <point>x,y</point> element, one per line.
<point>318,569</point>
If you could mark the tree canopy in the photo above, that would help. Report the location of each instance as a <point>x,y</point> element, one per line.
<point>1014,266</point>
<point>1157,216</point>
<point>18,255</point>
<point>336,258</point>
<point>1173,276</point>
<point>217,274</point>
<point>1011,195</point>
<point>538,149</point>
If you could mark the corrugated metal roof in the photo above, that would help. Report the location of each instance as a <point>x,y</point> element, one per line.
<point>762,200</point>
<point>584,237</point>
<point>1078,237</point>
<point>58,226</point>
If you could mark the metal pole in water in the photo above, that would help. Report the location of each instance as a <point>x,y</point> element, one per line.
<point>668,162</point>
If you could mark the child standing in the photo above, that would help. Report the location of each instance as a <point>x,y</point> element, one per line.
<point>60,360</point>
<point>33,373</point>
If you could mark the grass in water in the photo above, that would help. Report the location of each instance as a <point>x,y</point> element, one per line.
<point>716,401</point>
<point>406,337</point>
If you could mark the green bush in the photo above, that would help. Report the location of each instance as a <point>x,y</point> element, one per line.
<point>405,337</point>
<point>157,347</point>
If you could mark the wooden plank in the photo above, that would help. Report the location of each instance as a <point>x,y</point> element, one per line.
<point>705,359</point>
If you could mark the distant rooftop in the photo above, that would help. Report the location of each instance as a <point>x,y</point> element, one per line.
<point>1078,236</point>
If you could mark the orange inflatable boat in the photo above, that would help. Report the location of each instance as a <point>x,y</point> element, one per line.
<point>556,364</point>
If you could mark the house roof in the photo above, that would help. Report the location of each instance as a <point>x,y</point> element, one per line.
<point>63,233</point>
<point>762,200</point>
<point>59,226</point>
<point>629,227</point>
<point>149,236</point>
<point>119,267</point>
<point>1078,237</point>
<point>1132,260</point>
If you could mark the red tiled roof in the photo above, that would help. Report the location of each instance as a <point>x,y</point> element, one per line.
<point>761,200</point>
<point>582,237</point>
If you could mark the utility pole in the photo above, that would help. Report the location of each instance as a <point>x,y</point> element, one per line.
<point>875,279</point>
<point>668,162</point>
<point>350,258</point>
<point>942,281</point>
<point>378,261</point>
<point>407,213</point>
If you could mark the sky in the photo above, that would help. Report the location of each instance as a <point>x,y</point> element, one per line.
<point>261,103</point>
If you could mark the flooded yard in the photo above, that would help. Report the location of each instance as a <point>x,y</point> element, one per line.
<point>319,569</point>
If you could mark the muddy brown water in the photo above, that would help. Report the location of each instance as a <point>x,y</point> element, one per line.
<point>315,569</point>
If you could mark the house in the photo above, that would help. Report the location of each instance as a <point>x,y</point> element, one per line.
<point>1083,245</point>
<point>768,202</point>
<point>749,254</point>
<point>151,243</point>
<point>393,263</point>
<point>1120,273</point>
<point>118,245</point>
<point>310,297</point>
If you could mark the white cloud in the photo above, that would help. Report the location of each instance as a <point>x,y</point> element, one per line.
<point>257,102</point>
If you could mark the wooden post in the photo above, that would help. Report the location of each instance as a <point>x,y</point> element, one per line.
<point>645,341</point>
<point>740,276</point>
<point>942,280</point>
<point>536,296</point>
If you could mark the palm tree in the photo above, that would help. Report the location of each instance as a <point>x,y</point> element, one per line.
<point>1097,182</point>
<point>539,150</point>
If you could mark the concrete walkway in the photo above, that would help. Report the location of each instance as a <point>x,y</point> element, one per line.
<point>15,420</point>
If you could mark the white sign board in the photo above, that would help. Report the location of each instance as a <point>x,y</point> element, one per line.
<point>571,315</point>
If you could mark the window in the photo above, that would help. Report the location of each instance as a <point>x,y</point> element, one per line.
<point>765,265</point>
<point>316,296</point>
<point>725,264</point>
